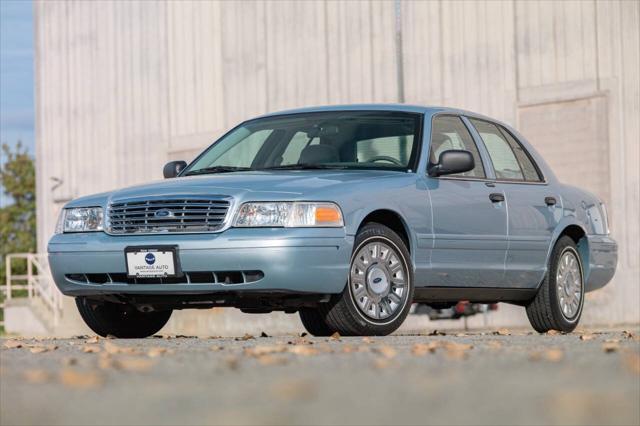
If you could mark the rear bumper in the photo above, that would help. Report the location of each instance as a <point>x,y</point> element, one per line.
<point>292,260</point>
<point>603,259</point>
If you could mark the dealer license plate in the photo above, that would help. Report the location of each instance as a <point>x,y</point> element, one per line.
<point>151,262</point>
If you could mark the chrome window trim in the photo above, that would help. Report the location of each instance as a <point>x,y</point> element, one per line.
<point>484,155</point>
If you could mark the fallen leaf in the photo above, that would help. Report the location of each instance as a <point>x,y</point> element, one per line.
<point>12,344</point>
<point>300,341</point>
<point>216,348</point>
<point>38,349</point>
<point>551,355</point>
<point>36,376</point>
<point>610,346</point>
<point>263,334</point>
<point>437,333</point>
<point>335,336</point>
<point>257,351</point>
<point>457,351</point>
<point>80,336</point>
<point>453,346</point>
<point>244,338</point>
<point>94,339</point>
<point>554,355</point>
<point>157,351</point>
<point>628,335</point>
<point>421,349</point>
<point>303,350</point>
<point>272,360</point>
<point>386,351</point>
<point>113,349</point>
<point>133,364</point>
<point>632,362</point>
<point>552,332</point>
<point>303,334</point>
<point>91,349</point>
<point>502,332</point>
<point>80,380</point>
<point>586,337</point>
<point>347,349</point>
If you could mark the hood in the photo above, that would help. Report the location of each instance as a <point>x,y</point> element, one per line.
<point>257,185</point>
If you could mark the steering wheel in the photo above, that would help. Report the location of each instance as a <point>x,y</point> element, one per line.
<point>386,158</point>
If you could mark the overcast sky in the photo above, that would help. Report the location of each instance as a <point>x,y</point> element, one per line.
<point>16,72</point>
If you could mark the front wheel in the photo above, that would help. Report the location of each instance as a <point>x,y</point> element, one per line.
<point>379,292</point>
<point>124,321</point>
<point>558,304</point>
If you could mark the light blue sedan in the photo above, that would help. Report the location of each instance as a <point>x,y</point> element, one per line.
<point>346,215</point>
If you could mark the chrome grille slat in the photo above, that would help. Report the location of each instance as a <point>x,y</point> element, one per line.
<point>187,215</point>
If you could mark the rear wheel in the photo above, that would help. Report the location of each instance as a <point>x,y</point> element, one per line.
<point>379,292</point>
<point>124,321</point>
<point>314,322</point>
<point>558,304</point>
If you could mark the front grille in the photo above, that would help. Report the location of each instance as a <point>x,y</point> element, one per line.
<point>185,214</point>
<point>194,277</point>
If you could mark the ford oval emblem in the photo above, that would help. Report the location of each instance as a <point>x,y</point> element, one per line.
<point>150,259</point>
<point>164,213</point>
<point>377,280</point>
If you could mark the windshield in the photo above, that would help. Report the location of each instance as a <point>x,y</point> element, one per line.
<point>322,140</point>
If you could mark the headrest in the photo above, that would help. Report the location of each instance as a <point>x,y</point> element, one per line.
<point>319,154</point>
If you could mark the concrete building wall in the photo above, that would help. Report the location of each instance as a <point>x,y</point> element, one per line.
<point>124,86</point>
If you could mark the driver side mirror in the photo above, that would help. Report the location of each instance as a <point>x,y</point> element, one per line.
<point>173,169</point>
<point>451,162</point>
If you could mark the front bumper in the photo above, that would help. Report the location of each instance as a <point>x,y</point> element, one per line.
<point>603,259</point>
<point>304,260</point>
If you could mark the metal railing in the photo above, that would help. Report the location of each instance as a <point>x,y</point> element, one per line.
<point>37,282</point>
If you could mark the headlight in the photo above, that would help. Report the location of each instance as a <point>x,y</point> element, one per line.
<point>80,220</point>
<point>289,214</point>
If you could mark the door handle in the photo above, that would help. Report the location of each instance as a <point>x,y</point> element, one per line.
<point>496,197</point>
<point>550,201</point>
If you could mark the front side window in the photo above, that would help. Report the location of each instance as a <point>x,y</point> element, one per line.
<point>510,161</point>
<point>449,132</point>
<point>340,139</point>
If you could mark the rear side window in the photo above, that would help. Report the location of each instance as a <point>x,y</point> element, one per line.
<point>449,132</point>
<point>510,161</point>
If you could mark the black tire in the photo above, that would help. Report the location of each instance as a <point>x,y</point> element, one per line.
<point>344,316</point>
<point>314,322</point>
<point>544,311</point>
<point>123,321</point>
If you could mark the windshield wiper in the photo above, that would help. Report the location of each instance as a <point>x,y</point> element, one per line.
<point>217,169</point>
<point>306,166</point>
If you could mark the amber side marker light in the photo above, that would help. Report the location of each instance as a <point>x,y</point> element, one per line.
<point>328,215</point>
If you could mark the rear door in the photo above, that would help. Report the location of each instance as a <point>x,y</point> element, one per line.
<point>534,209</point>
<point>469,218</point>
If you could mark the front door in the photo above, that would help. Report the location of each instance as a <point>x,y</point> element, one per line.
<point>469,216</point>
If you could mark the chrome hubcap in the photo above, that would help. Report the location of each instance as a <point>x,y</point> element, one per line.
<point>569,284</point>
<point>378,280</point>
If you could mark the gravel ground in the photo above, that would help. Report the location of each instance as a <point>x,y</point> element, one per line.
<point>496,377</point>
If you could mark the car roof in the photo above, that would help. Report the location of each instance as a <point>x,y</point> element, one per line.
<point>422,109</point>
